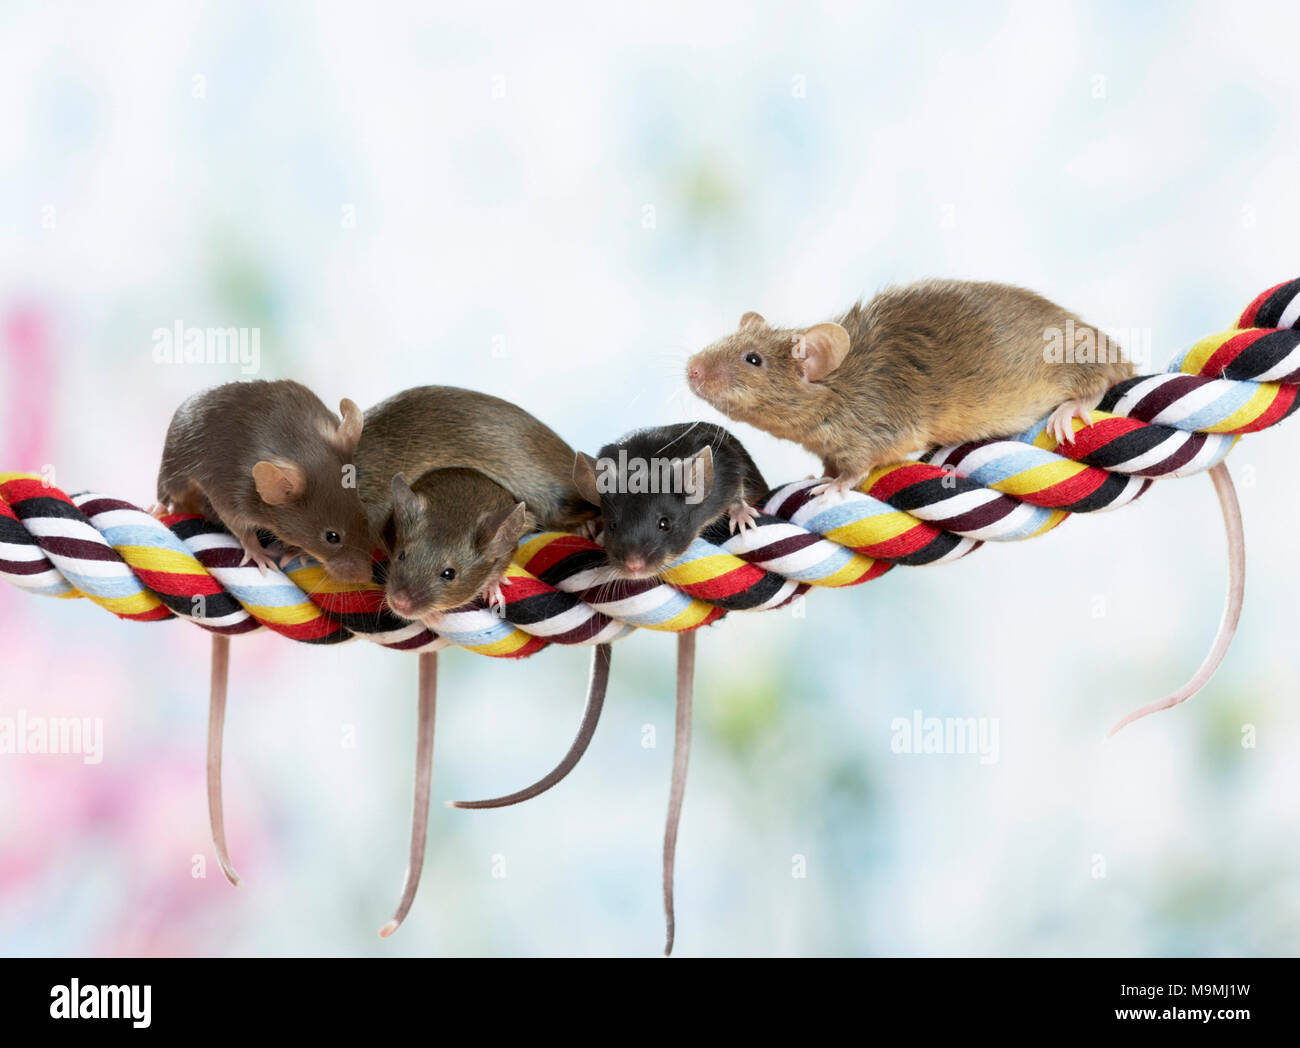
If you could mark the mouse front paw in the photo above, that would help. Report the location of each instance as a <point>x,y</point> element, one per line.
<point>256,554</point>
<point>496,598</point>
<point>258,557</point>
<point>742,516</point>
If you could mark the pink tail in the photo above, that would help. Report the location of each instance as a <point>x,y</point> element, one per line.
<point>1232,607</point>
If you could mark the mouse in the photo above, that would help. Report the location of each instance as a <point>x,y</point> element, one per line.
<point>923,365</point>
<point>486,472</point>
<point>704,476</point>
<point>659,488</point>
<point>439,427</point>
<point>270,455</point>
<point>264,455</point>
<point>453,534</point>
<point>930,364</point>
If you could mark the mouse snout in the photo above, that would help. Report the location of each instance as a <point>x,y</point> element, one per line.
<point>351,567</point>
<point>638,563</point>
<point>401,602</point>
<point>697,372</point>
<point>706,377</point>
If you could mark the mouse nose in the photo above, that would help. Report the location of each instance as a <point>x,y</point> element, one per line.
<point>696,372</point>
<point>634,563</point>
<point>400,602</point>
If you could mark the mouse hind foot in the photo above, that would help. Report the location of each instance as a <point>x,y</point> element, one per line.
<point>1060,424</point>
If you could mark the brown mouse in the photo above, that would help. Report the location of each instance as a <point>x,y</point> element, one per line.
<point>929,364</point>
<point>451,537</point>
<point>269,455</point>
<point>486,472</point>
<point>933,363</point>
<point>454,532</point>
<point>439,427</point>
<point>265,455</point>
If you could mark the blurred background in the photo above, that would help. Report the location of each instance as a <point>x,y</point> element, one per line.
<point>556,204</point>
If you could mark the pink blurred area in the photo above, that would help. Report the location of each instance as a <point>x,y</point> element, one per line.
<point>30,360</point>
<point>133,824</point>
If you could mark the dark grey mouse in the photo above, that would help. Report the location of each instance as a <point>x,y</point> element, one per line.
<point>658,489</point>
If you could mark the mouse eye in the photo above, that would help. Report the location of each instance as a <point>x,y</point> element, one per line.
<point>611,524</point>
<point>753,358</point>
<point>332,537</point>
<point>665,524</point>
<point>401,555</point>
<point>447,573</point>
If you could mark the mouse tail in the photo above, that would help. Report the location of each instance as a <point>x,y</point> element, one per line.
<point>600,659</point>
<point>428,704</point>
<point>681,758</point>
<point>216,728</point>
<point>1227,493</point>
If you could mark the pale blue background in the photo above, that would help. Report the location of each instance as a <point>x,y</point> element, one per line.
<point>1136,162</point>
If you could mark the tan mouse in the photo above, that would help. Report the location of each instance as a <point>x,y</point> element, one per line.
<point>930,364</point>
<point>933,363</point>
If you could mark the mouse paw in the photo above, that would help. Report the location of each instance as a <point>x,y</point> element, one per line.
<point>835,488</point>
<point>496,598</point>
<point>157,510</point>
<point>742,516</point>
<point>1060,424</point>
<point>288,553</point>
<point>255,554</point>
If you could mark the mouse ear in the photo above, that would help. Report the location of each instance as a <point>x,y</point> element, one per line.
<point>752,320</point>
<point>279,482</point>
<point>698,474</point>
<point>403,496</point>
<point>503,530</point>
<point>584,478</point>
<point>819,351</point>
<point>349,431</point>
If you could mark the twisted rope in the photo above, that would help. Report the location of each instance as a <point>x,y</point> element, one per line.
<point>931,511</point>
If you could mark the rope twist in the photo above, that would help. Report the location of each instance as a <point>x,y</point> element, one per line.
<point>930,511</point>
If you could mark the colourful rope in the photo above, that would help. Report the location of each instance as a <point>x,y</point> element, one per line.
<point>926,512</point>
